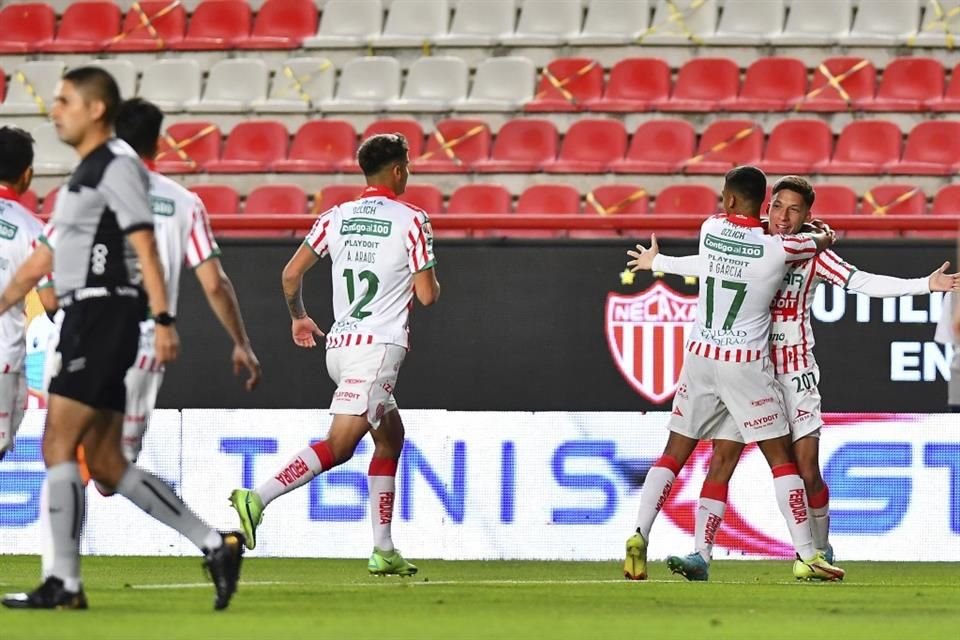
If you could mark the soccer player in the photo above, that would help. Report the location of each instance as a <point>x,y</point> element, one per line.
<point>18,232</point>
<point>105,257</point>
<point>797,373</point>
<point>727,388</point>
<point>382,254</point>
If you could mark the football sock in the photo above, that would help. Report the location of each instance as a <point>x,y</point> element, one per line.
<point>382,483</point>
<point>66,504</point>
<point>792,500</point>
<point>710,510</point>
<point>298,471</point>
<point>820,512</point>
<point>655,492</point>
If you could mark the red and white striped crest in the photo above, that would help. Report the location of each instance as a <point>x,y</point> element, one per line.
<point>646,333</point>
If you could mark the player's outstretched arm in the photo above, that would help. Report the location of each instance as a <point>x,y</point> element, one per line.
<point>303,329</point>
<point>37,265</point>
<point>642,258</point>
<point>426,286</point>
<point>222,298</point>
<point>881,286</point>
<point>940,280</point>
<point>167,342</point>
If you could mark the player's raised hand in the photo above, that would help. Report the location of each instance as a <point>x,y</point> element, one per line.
<point>643,257</point>
<point>244,358</point>
<point>166,344</point>
<point>940,280</point>
<point>305,332</point>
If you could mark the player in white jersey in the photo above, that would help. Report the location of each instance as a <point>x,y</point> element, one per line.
<point>19,229</point>
<point>797,373</point>
<point>381,250</point>
<point>727,388</point>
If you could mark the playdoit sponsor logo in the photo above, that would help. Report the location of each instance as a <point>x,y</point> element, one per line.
<point>366,227</point>
<point>733,248</point>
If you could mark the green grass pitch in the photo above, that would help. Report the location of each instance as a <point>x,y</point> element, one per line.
<point>169,599</point>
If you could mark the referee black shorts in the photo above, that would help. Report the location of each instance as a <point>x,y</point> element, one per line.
<point>99,339</point>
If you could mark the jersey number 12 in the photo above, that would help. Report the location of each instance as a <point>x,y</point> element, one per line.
<point>373,283</point>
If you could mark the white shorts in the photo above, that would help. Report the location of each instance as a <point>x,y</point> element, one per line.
<point>737,401</point>
<point>13,400</point>
<point>801,401</point>
<point>365,376</point>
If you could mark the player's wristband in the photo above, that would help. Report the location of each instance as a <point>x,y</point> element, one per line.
<point>164,319</point>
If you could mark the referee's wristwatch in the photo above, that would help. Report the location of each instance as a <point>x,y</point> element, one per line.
<point>164,319</point>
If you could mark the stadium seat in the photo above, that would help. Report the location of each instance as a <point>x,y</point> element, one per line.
<point>834,199</point>
<point>908,84</point>
<point>172,84</point>
<point>320,146</point>
<point>480,198</point>
<point>411,23</point>
<point>545,23</point>
<point>31,88</point>
<point>300,85</point>
<point>30,201</point>
<point>941,24</point>
<point>347,24</point>
<point>882,23</point>
<point>3,86</point>
<point>408,128</point>
<point>85,27</point>
<point>252,147</point>
<point>704,85</point>
<point>434,84</point>
<point>454,147</point>
<point>864,147</point>
<point>51,157</point>
<point>334,195</point>
<point>816,23</point>
<point>424,196</point>
<point>772,84</point>
<point>933,148</point>
<point>566,84</point>
<point>680,22</point>
<point>658,146</point>
<point>366,85</point>
<point>501,84</point>
<point>217,25</point>
<point>725,144</point>
<point>282,24</point>
<point>549,199</point>
<point>634,84</point>
<point>272,199</point>
<point>233,86</point>
<point>950,101</point>
<point>616,199</point>
<point>894,200</point>
<point>479,23</point>
<point>122,71</point>
<point>187,147</point>
<point>693,199</point>
<point>748,23</point>
<point>218,199</point>
<point>589,147</point>
<point>151,25</point>
<point>613,22</point>
<point>857,78</point>
<point>947,201</point>
<point>49,202</point>
<point>797,146</point>
<point>26,28</point>
<point>522,146</point>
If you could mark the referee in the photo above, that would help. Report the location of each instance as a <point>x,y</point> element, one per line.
<point>105,257</point>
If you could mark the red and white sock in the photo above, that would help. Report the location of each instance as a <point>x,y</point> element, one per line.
<point>710,510</point>
<point>820,513</point>
<point>655,492</point>
<point>382,483</point>
<point>792,500</point>
<point>298,471</point>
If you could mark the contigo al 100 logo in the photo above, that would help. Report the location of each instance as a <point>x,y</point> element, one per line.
<point>646,333</point>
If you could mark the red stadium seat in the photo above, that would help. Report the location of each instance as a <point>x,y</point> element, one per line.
<point>251,147</point>
<point>320,146</point>
<point>725,144</point>
<point>218,199</point>
<point>614,199</point>
<point>567,84</point>
<point>634,85</point>
<point>522,146</point>
<point>480,198</point>
<point>85,27</point>
<point>947,201</point>
<point>894,199</point>
<point>694,199</point>
<point>217,25</point>
<point>151,25</point>
<point>424,196</point>
<point>408,128</point>
<point>26,28</point>
<point>282,24</point>
<point>454,147</point>
<point>30,201</point>
<point>336,194</point>
<point>864,148</point>
<point>908,84</point>
<point>834,199</point>
<point>933,148</point>
<point>590,146</point>
<point>857,78</point>
<point>271,199</point>
<point>772,84</point>
<point>796,146</point>
<point>703,85</point>
<point>658,146</point>
<point>950,101</point>
<point>549,199</point>
<point>49,201</point>
<point>188,147</point>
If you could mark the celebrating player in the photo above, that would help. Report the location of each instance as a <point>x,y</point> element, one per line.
<point>382,253</point>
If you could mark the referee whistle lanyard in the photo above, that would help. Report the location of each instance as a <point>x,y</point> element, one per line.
<point>8,193</point>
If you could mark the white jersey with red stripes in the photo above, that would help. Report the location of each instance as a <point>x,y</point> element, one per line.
<point>742,269</point>
<point>376,244</point>
<point>19,230</point>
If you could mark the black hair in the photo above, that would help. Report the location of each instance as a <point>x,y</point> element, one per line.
<point>97,84</point>
<point>748,183</point>
<point>16,153</point>
<point>380,151</point>
<point>138,124</point>
<point>797,185</point>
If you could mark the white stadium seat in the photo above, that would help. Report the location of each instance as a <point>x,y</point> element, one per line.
<point>172,84</point>
<point>410,23</point>
<point>366,85</point>
<point>436,83</point>
<point>883,23</point>
<point>613,22</point>
<point>52,157</point>
<point>299,85</point>
<point>678,21</point>
<point>32,84</point>
<point>479,23</point>
<point>233,86</point>
<point>748,22</point>
<point>941,24</point>
<point>546,23</point>
<point>347,23</point>
<point>816,23</point>
<point>501,84</point>
<point>122,71</point>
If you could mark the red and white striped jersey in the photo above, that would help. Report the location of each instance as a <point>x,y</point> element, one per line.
<point>742,269</point>
<point>19,231</point>
<point>376,245</point>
